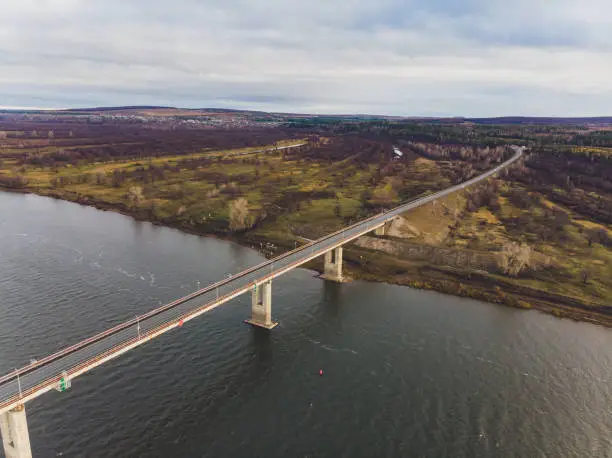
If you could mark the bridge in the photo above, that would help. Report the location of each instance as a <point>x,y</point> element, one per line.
<point>57,370</point>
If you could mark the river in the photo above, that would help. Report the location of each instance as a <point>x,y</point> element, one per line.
<point>405,372</point>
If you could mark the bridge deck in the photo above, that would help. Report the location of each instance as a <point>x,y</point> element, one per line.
<point>43,375</point>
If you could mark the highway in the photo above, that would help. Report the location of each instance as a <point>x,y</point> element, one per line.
<point>43,375</point>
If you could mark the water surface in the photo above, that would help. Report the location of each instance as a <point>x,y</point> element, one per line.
<point>406,372</point>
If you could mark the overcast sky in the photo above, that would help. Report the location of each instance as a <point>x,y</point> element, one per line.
<point>400,57</point>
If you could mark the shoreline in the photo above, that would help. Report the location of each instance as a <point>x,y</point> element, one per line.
<point>482,289</point>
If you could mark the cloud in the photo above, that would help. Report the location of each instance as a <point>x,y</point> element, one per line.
<point>411,57</point>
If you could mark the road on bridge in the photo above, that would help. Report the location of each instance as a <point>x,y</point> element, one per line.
<point>45,374</point>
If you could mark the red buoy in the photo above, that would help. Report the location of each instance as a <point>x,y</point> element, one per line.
<point>321,372</point>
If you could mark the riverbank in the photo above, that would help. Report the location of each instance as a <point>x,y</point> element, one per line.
<point>382,267</point>
<point>70,271</point>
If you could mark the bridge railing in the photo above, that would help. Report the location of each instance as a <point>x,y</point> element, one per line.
<point>22,381</point>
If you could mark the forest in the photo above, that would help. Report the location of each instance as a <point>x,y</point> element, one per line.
<point>536,236</point>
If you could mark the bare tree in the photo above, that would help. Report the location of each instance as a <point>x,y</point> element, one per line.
<point>585,276</point>
<point>135,194</point>
<point>515,258</point>
<point>239,214</point>
<point>384,196</point>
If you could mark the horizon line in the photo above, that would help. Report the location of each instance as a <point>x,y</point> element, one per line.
<point>154,107</point>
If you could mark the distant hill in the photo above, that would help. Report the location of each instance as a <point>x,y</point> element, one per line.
<point>126,108</point>
<point>602,120</point>
<point>157,110</point>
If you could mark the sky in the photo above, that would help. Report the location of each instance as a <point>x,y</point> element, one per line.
<point>393,57</point>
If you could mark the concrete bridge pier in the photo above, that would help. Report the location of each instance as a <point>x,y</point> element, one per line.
<point>333,265</point>
<point>15,435</point>
<point>381,231</point>
<point>261,309</point>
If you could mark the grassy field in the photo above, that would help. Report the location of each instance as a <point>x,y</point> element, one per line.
<point>279,197</point>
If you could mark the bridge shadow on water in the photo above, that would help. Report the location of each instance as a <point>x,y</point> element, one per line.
<point>262,346</point>
<point>331,303</point>
<point>265,344</point>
